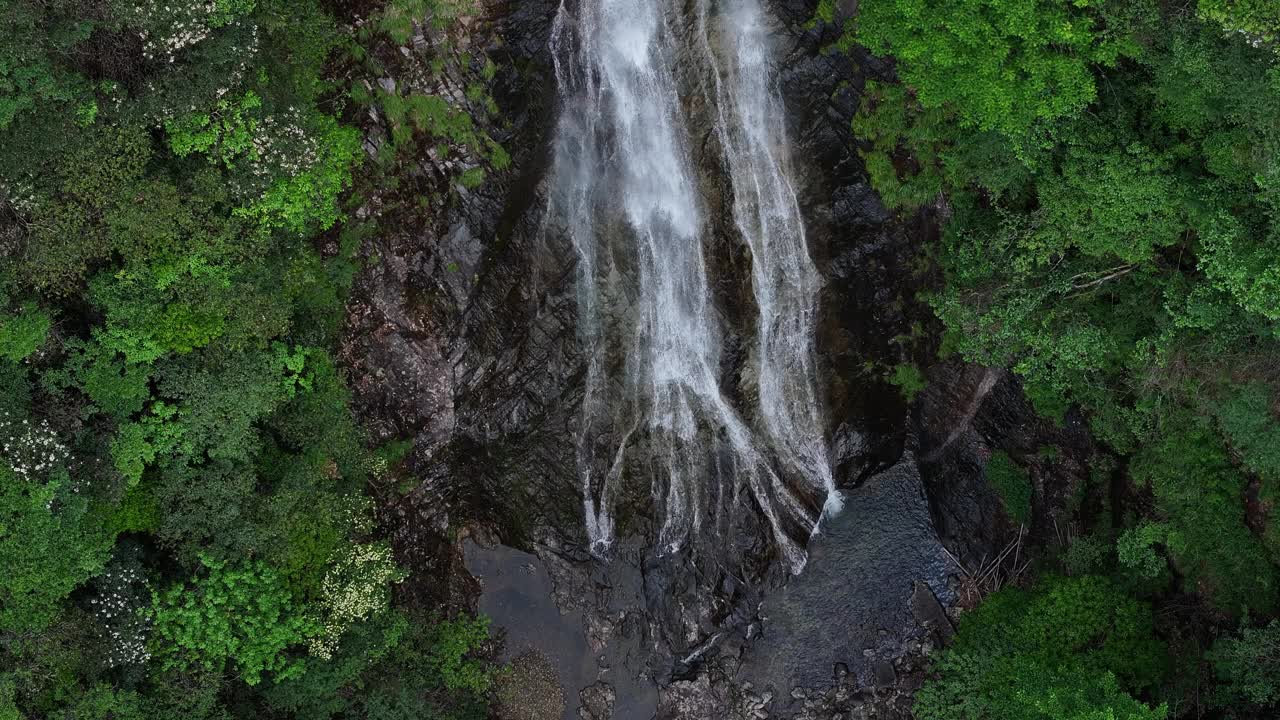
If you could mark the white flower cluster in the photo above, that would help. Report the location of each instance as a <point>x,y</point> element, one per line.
<point>237,74</point>
<point>357,513</point>
<point>356,586</point>
<point>118,606</point>
<point>21,196</point>
<point>185,24</point>
<point>175,26</point>
<point>1253,38</point>
<point>31,449</point>
<point>281,143</point>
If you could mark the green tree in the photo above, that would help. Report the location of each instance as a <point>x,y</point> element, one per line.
<point>23,333</point>
<point>242,618</point>
<point>1248,666</point>
<point>1007,66</point>
<point>1068,648</point>
<point>1253,16</point>
<point>1199,491</point>
<point>50,540</point>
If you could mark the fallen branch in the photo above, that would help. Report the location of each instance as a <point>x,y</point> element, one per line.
<point>1112,274</point>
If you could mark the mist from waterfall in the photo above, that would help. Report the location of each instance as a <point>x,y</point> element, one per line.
<point>625,190</point>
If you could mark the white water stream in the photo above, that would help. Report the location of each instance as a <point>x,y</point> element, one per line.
<point>626,190</point>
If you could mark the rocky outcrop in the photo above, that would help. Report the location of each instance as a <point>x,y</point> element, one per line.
<point>852,607</point>
<point>460,332</point>
<point>964,414</point>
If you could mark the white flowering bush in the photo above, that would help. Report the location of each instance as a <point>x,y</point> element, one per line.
<point>289,164</point>
<point>274,145</point>
<point>356,587</point>
<point>167,27</point>
<point>31,450</point>
<point>123,593</point>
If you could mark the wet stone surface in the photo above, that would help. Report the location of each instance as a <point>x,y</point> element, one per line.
<point>594,675</point>
<point>840,637</point>
<point>851,607</point>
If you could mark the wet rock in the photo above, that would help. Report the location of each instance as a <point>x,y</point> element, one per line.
<point>517,596</point>
<point>885,676</point>
<point>599,644</point>
<point>692,700</point>
<point>930,615</point>
<point>460,329</point>
<point>965,414</point>
<point>858,206</point>
<point>852,606</point>
<point>597,702</point>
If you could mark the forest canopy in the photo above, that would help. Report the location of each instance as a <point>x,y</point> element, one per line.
<point>1110,171</point>
<point>186,522</point>
<point>188,505</point>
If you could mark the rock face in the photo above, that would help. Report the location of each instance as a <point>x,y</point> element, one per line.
<point>460,329</point>
<point>461,338</point>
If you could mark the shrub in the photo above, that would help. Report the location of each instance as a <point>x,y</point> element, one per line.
<point>908,379</point>
<point>243,617</point>
<point>1199,493</point>
<point>1087,554</point>
<point>1136,552</point>
<point>49,542</point>
<point>1069,648</point>
<point>22,334</point>
<point>1248,666</point>
<point>1013,484</point>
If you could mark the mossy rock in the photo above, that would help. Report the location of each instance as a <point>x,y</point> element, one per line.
<point>530,690</point>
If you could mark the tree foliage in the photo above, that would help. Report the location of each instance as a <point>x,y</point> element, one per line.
<point>183,519</point>
<point>1249,667</point>
<point>1068,648</point>
<point>1108,170</point>
<point>241,616</point>
<point>1113,235</point>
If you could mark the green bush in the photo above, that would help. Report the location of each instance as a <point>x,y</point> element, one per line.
<point>1199,494</point>
<point>1069,648</point>
<point>1013,484</point>
<point>1252,16</point>
<point>1248,667</point>
<point>1250,425</point>
<point>22,334</point>
<point>1087,554</point>
<point>1137,553</point>
<point>50,541</point>
<point>239,617</point>
<point>1002,65</point>
<point>908,379</point>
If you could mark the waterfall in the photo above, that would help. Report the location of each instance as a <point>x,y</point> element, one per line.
<point>625,191</point>
<point>751,126</point>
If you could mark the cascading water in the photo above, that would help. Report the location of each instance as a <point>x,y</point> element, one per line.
<point>767,214</point>
<point>625,189</point>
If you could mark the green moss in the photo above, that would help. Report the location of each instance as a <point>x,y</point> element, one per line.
<point>1013,484</point>
<point>909,380</point>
